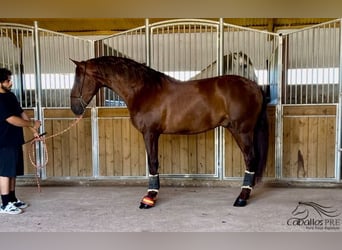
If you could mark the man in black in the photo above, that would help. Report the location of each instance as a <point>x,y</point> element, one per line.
<point>12,120</point>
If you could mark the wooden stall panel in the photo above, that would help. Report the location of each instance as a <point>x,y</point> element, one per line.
<point>270,164</point>
<point>187,154</point>
<point>122,149</point>
<point>69,154</point>
<point>121,146</point>
<point>234,162</point>
<point>309,141</point>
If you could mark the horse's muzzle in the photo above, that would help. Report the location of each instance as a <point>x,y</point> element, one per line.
<point>78,105</point>
<point>77,109</point>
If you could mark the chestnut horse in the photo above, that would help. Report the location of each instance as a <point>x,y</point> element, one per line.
<point>159,104</point>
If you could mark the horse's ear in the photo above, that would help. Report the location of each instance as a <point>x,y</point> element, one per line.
<point>75,62</point>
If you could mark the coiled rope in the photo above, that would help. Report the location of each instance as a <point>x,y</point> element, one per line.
<point>42,138</point>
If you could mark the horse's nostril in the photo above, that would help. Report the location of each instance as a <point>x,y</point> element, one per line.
<point>77,110</point>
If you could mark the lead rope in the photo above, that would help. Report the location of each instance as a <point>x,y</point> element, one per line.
<point>32,155</point>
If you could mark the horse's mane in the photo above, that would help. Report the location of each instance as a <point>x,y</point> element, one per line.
<point>131,70</point>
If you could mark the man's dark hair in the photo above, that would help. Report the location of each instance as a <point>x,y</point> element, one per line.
<point>4,74</point>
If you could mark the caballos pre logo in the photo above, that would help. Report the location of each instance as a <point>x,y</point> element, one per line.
<point>314,216</point>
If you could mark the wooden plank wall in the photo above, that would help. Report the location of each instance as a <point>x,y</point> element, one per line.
<point>234,162</point>
<point>309,141</point>
<point>121,146</point>
<point>187,154</point>
<point>69,154</point>
<point>122,149</point>
<point>308,146</point>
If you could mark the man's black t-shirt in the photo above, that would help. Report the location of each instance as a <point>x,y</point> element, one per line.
<point>10,135</point>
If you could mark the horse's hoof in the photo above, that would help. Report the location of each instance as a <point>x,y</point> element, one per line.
<point>147,202</point>
<point>240,202</point>
<point>144,206</point>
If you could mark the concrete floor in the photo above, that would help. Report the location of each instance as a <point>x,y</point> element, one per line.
<point>179,209</point>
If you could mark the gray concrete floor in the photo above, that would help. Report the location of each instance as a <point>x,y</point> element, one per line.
<point>179,209</point>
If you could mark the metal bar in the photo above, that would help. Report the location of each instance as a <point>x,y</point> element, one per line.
<point>317,63</point>
<point>220,52</point>
<point>278,115</point>
<point>95,142</point>
<point>219,132</point>
<point>39,115</point>
<point>338,176</point>
<point>148,63</point>
<point>148,42</point>
<point>307,56</point>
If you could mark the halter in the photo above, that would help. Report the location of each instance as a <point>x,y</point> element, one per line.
<point>80,97</point>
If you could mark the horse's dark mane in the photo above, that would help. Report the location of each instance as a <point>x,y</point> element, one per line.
<point>131,70</point>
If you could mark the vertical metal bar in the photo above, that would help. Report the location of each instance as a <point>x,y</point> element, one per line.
<point>323,62</point>
<point>332,64</point>
<point>289,87</point>
<point>312,60</point>
<point>219,132</point>
<point>285,73</point>
<point>28,54</point>
<point>190,46</point>
<point>148,42</point>
<point>206,59</point>
<point>12,59</point>
<point>301,66</point>
<point>168,51</point>
<point>95,142</point>
<point>296,67</point>
<point>7,48</point>
<point>339,114</point>
<point>148,63</point>
<point>307,56</point>
<point>279,114</point>
<point>185,50</point>
<point>317,63</point>
<point>328,61</point>
<point>63,83</point>
<point>336,47</point>
<point>220,51</point>
<point>39,114</point>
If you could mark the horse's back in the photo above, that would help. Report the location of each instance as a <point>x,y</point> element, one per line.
<point>232,88</point>
<point>222,101</point>
<point>239,83</point>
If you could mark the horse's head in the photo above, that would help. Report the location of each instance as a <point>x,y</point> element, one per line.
<point>245,65</point>
<point>301,210</point>
<point>85,86</point>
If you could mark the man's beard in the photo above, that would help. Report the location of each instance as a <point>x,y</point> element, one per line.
<point>5,89</point>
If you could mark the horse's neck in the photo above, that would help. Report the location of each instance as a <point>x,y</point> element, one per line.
<point>124,88</point>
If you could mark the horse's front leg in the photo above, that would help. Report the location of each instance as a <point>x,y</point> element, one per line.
<point>151,143</point>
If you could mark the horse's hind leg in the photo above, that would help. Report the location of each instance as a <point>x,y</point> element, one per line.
<point>245,142</point>
<point>151,143</point>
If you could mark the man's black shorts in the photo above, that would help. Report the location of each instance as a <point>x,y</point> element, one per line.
<point>11,161</point>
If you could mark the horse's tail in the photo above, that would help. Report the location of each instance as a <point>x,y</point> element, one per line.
<point>260,141</point>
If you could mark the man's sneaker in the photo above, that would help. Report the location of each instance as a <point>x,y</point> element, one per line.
<point>10,208</point>
<point>20,204</point>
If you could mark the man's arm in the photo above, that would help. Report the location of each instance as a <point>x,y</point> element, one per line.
<point>24,121</point>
